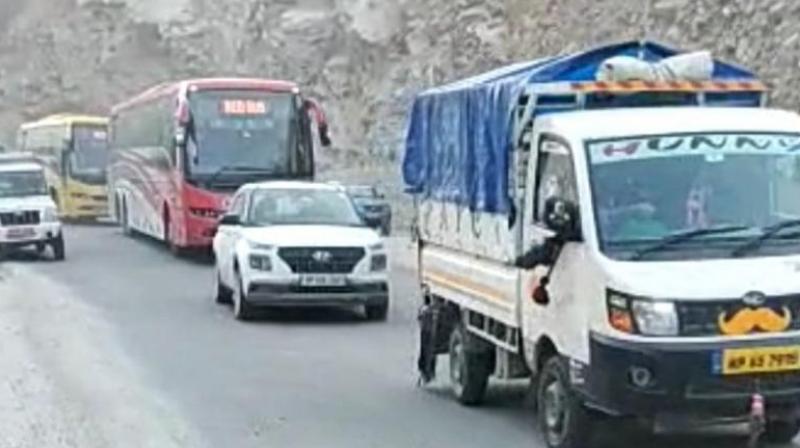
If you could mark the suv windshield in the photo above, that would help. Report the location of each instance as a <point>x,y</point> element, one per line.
<point>302,207</point>
<point>655,192</point>
<point>22,183</point>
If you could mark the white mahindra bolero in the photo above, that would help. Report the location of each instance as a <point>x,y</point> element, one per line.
<point>296,244</point>
<point>28,215</point>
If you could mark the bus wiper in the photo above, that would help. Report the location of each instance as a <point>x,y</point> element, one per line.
<point>767,233</point>
<point>680,237</point>
<point>234,169</point>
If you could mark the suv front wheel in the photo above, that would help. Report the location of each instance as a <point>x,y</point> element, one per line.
<point>59,249</point>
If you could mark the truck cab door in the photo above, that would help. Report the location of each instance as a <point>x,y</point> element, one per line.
<point>548,277</point>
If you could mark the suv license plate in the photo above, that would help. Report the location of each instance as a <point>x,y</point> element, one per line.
<point>743,361</point>
<point>21,232</point>
<point>323,280</point>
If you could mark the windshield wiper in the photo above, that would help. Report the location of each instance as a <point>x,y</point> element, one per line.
<point>235,169</point>
<point>680,237</point>
<point>767,234</point>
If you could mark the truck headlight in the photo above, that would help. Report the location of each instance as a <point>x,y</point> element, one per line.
<point>641,315</point>
<point>260,262</point>
<point>656,318</point>
<point>378,263</point>
<point>50,214</point>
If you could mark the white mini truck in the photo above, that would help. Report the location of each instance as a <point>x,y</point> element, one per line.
<point>298,244</point>
<point>28,215</point>
<point>633,246</point>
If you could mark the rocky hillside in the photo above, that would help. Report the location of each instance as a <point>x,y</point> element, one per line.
<point>364,59</point>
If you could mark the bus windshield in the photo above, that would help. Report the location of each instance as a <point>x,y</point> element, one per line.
<point>90,155</point>
<point>241,131</point>
<point>646,189</point>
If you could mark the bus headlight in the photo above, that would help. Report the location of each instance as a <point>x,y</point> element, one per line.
<point>50,214</point>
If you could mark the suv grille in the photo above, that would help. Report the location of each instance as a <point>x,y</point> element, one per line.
<point>19,218</point>
<point>702,318</point>
<point>322,260</point>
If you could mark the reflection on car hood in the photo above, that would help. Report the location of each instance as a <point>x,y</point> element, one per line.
<point>26,203</point>
<point>706,279</point>
<point>312,236</point>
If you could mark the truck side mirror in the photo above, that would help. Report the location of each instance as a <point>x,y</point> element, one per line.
<point>562,217</point>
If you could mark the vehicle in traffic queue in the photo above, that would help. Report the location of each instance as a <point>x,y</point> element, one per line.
<point>179,150</point>
<point>298,244</point>
<point>73,149</point>
<point>373,207</point>
<point>631,245</point>
<point>28,215</point>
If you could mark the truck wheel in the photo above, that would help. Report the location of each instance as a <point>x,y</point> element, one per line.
<point>377,312</point>
<point>469,368</point>
<point>241,309</point>
<point>59,251</point>
<point>222,294</point>
<point>563,420</point>
<point>781,432</point>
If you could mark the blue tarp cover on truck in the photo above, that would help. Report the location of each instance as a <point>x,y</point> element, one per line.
<point>459,136</point>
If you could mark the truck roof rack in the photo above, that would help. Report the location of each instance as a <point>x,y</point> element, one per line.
<point>479,121</point>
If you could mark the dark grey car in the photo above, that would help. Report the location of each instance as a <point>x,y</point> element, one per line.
<point>373,207</point>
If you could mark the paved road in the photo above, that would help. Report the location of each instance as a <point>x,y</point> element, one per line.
<point>296,379</point>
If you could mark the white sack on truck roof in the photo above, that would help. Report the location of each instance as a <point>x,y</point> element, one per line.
<point>697,66</point>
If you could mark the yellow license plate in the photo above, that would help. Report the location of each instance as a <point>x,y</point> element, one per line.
<point>741,361</point>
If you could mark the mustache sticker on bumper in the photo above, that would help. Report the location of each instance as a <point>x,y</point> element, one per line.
<point>749,320</point>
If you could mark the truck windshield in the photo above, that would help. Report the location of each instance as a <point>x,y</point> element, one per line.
<point>656,189</point>
<point>90,155</point>
<point>240,128</point>
<point>22,183</point>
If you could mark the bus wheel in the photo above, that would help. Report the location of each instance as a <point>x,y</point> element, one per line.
<point>469,368</point>
<point>563,420</point>
<point>124,219</point>
<point>173,248</point>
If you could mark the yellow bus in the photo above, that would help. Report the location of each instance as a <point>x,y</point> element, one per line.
<point>74,151</point>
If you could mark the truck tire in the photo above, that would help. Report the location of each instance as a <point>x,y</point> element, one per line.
<point>59,249</point>
<point>781,432</point>
<point>562,419</point>
<point>469,368</point>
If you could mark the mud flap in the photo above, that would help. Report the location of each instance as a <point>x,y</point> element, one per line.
<point>428,319</point>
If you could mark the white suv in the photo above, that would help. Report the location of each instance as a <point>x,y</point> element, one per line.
<point>296,244</point>
<point>28,215</point>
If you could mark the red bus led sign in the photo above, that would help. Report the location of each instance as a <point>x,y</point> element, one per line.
<point>243,107</point>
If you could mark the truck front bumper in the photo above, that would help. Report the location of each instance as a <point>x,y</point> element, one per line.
<point>684,380</point>
<point>294,295</point>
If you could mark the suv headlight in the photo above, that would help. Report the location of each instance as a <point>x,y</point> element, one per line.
<point>50,214</point>
<point>378,263</point>
<point>260,262</point>
<point>642,315</point>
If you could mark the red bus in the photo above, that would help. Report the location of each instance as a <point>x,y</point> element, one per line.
<point>179,150</point>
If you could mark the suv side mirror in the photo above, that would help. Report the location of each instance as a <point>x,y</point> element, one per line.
<point>562,217</point>
<point>230,220</point>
